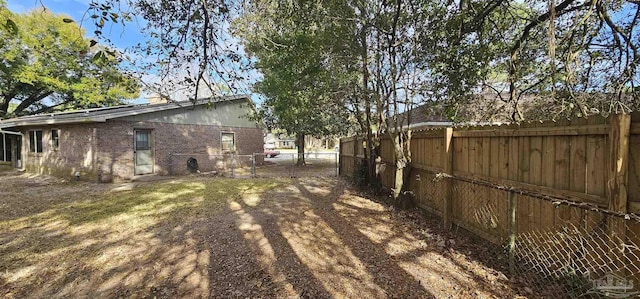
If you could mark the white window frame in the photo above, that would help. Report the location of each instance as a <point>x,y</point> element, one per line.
<point>55,146</point>
<point>233,145</point>
<point>33,141</point>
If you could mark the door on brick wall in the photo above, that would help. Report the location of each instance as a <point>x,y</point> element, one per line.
<point>143,152</point>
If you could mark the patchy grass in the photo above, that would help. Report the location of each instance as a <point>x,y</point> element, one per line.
<point>60,238</point>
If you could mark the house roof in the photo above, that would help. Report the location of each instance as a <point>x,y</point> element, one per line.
<point>106,113</point>
<point>426,115</point>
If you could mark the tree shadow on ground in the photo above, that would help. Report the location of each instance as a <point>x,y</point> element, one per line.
<point>309,238</point>
<point>150,241</point>
<point>394,241</point>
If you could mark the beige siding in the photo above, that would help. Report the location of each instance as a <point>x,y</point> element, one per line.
<point>232,114</point>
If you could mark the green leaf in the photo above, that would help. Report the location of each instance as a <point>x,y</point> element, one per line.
<point>49,57</point>
<point>98,56</point>
<point>11,26</point>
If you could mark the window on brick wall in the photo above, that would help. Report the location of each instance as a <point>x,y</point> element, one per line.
<point>55,139</point>
<point>35,141</point>
<point>142,140</point>
<point>228,142</point>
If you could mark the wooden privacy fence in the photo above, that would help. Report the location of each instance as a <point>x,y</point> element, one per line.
<point>562,196</point>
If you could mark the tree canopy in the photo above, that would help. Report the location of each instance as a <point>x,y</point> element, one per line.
<point>539,59</point>
<point>295,51</point>
<point>484,60</point>
<point>46,64</point>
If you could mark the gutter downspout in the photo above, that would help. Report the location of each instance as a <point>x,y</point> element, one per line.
<point>3,132</point>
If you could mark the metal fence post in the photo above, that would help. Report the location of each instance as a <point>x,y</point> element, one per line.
<point>170,166</point>
<point>337,164</point>
<point>233,166</point>
<point>253,165</point>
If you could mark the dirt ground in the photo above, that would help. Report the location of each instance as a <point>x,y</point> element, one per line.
<point>224,238</point>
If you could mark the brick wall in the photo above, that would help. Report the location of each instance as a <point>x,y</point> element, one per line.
<point>75,154</point>
<point>104,151</point>
<point>115,140</point>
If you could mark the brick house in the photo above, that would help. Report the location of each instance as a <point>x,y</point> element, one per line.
<point>122,142</point>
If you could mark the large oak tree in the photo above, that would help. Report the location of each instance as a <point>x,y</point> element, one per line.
<point>46,64</point>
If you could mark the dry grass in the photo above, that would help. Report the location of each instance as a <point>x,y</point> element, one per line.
<point>73,239</point>
<point>225,238</point>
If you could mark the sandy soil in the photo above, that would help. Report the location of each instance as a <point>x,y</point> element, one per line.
<point>224,238</point>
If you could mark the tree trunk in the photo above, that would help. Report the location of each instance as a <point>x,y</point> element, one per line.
<point>300,143</point>
<point>402,185</point>
<point>399,181</point>
<point>402,151</point>
<point>369,159</point>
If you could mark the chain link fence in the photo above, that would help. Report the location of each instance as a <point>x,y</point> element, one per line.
<point>430,191</point>
<point>561,248</point>
<point>588,255</point>
<point>255,165</point>
<point>285,165</point>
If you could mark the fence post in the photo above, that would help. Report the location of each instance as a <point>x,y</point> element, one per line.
<point>337,156</point>
<point>253,165</point>
<point>339,153</point>
<point>293,164</point>
<point>513,208</point>
<point>448,170</point>
<point>233,166</point>
<point>618,180</point>
<point>356,171</point>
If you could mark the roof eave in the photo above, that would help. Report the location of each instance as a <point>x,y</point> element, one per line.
<point>50,122</point>
<point>17,122</point>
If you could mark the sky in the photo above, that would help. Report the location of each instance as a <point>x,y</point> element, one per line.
<point>121,36</point>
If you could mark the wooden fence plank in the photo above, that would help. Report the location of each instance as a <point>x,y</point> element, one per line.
<point>577,164</point>
<point>524,213</point>
<point>494,157</point>
<point>460,157</point>
<point>475,155</point>
<point>634,168</point>
<point>595,163</point>
<point>439,152</point>
<point>486,155</point>
<point>547,209</point>
<point>562,174</point>
<point>535,177</point>
<point>578,172</point>
<point>546,130</point>
<point>435,154</point>
<point>514,158</point>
